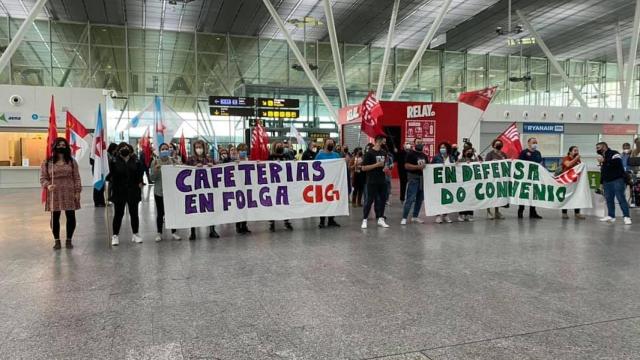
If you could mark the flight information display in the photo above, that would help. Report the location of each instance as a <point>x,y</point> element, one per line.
<point>232,111</point>
<point>279,114</point>
<point>231,101</point>
<point>278,103</point>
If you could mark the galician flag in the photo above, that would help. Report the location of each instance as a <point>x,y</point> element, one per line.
<point>99,153</point>
<point>295,133</point>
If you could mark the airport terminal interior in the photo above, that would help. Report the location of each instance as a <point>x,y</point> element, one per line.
<point>319,179</point>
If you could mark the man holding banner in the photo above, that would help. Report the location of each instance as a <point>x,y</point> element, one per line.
<point>373,164</point>
<point>415,163</point>
<point>532,154</point>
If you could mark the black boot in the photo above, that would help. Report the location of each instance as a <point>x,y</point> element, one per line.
<point>193,234</point>
<point>213,233</point>
<point>321,225</point>
<point>287,225</point>
<point>56,245</point>
<point>534,215</point>
<point>333,223</point>
<point>239,229</point>
<point>68,244</point>
<point>245,229</point>
<point>520,212</point>
<point>272,226</point>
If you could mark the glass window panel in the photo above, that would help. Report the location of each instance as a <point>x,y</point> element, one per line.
<point>77,78</point>
<point>108,58</point>
<point>110,79</point>
<point>274,48</point>
<point>324,52</point>
<point>326,74</point>
<point>4,28</point>
<point>273,71</point>
<point>69,33</point>
<point>31,75</point>
<point>244,46</point>
<point>32,53</point>
<point>212,74</point>
<point>172,40</point>
<point>179,84</point>
<point>355,54</point>
<point>404,56</point>
<point>149,60</point>
<point>107,35</point>
<point>212,43</point>
<point>586,143</point>
<point>39,31</point>
<point>75,56</point>
<point>178,62</point>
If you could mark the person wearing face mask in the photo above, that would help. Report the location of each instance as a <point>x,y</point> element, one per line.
<point>496,154</point>
<point>311,151</point>
<point>401,157</point>
<point>454,152</point>
<point>60,177</point>
<point>532,154</point>
<point>164,158</point>
<point>328,153</point>
<point>468,156</point>
<point>277,154</point>
<point>224,156</point>
<point>358,176</point>
<point>289,154</point>
<point>200,158</point>
<point>571,160</point>
<point>373,164</point>
<point>242,156</point>
<point>444,156</point>
<point>612,176</point>
<point>414,164</point>
<point>626,154</point>
<point>233,154</point>
<point>126,178</point>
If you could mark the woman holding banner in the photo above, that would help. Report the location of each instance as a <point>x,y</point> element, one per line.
<point>359,177</point>
<point>126,178</point>
<point>239,154</point>
<point>468,156</point>
<point>444,156</point>
<point>571,160</point>
<point>155,173</point>
<point>494,155</point>
<point>59,175</point>
<point>200,159</point>
<point>277,154</point>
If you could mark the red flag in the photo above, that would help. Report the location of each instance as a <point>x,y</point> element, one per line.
<point>73,124</point>
<point>145,147</point>
<point>479,98</point>
<point>52,135</point>
<point>568,177</point>
<point>75,133</point>
<point>259,143</point>
<point>183,148</point>
<point>370,112</point>
<point>511,141</point>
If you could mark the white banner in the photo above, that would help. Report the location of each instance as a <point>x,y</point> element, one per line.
<point>253,191</point>
<point>474,186</point>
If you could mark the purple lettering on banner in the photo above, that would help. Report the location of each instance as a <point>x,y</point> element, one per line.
<point>206,202</point>
<point>216,176</point>
<point>241,201</point>
<point>251,202</point>
<point>229,180</point>
<point>190,204</point>
<point>317,166</point>
<point>247,168</point>
<point>265,199</point>
<point>226,200</point>
<point>282,195</point>
<point>289,166</point>
<point>182,175</point>
<point>262,173</point>
<point>274,171</point>
<point>303,171</point>
<point>201,179</point>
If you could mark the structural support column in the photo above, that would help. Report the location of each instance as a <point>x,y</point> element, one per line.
<point>335,50</point>
<point>552,59</point>
<point>301,59</point>
<point>387,49</point>
<point>631,62</point>
<point>17,40</point>
<point>423,47</point>
<point>620,58</point>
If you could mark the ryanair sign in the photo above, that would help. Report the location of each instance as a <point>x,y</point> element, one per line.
<point>543,128</point>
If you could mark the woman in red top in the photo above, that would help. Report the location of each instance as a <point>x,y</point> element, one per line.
<point>572,159</point>
<point>60,176</point>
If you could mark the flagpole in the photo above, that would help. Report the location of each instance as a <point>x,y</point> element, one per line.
<point>481,117</point>
<point>106,212</point>
<point>497,137</point>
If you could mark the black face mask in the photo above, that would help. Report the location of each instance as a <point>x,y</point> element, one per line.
<point>499,147</point>
<point>469,155</point>
<point>62,150</point>
<point>600,152</point>
<point>279,150</point>
<point>329,147</point>
<point>419,148</point>
<point>124,152</point>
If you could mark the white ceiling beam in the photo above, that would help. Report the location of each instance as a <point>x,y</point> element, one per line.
<point>631,61</point>
<point>387,49</point>
<point>335,51</point>
<point>19,36</point>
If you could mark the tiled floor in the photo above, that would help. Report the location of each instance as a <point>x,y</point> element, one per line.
<point>548,289</point>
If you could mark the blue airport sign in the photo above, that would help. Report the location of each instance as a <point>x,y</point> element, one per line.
<point>543,128</point>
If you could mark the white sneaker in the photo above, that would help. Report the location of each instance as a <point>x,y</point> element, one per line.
<point>608,219</point>
<point>136,239</point>
<point>158,237</point>
<point>462,218</point>
<point>447,219</point>
<point>469,218</point>
<point>627,221</point>
<point>438,219</point>
<point>364,224</point>
<point>382,223</point>
<point>176,237</point>
<point>417,220</point>
<point>403,222</point>
<point>115,241</point>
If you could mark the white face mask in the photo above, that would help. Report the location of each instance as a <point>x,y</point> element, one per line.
<point>199,151</point>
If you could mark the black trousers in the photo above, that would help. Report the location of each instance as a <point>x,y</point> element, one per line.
<point>71,223</point>
<point>565,211</point>
<point>323,218</point>
<point>532,210</point>
<point>160,214</point>
<point>403,184</point>
<point>376,193</point>
<point>358,187</point>
<point>98,197</point>
<point>119,206</point>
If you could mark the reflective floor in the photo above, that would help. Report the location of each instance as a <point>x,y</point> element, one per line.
<point>548,289</point>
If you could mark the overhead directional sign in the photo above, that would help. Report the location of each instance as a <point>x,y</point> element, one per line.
<point>279,114</point>
<point>231,101</point>
<point>278,103</point>
<point>232,111</point>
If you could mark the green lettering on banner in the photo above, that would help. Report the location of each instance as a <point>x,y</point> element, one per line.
<point>461,194</point>
<point>524,190</point>
<point>503,188</point>
<point>479,195</point>
<point>534,172</point>
<point>437,175</point>
<point>450,176</point>
<point>539,192</point>
<point>477,172</point>
<point>561,194</point>
<point>446,197</point>
<point>491,190</point>
<point>513,188</point>
<point>467,173</point>
<point>550,192</point>
<point>495,170</point>
<point>519,171</point>
<point>486,169</point>
<point>506,168</point>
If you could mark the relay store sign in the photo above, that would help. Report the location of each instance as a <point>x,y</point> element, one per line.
<point>253,191</point>
<point>543,128</point>
<point>474,186</point>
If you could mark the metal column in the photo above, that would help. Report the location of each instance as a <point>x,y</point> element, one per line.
<point>387,49</point>
<point>22,31</point>
<point>620,58</point>
<point>335,51</point>
<point>631,62</point>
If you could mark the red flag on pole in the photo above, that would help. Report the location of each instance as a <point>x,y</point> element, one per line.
<point>511,141</point>
<point>145,147</point>
<point>370,112</point>
<point>479,99</point>
<point>183,148</point>
<point>52,135</point>
<point>75,133</point>
<point>259,143</point>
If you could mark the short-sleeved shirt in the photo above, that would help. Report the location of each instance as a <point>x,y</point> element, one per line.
<point>568,158</point>
<point>415,158</point>
<point>375,176</point>
<point>325,155</point>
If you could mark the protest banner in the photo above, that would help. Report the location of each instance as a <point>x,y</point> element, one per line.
<point>474,186</point>
<point>253,191</point>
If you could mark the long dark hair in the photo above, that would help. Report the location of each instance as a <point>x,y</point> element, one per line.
<point>66,155</point>
<point>447,146</point>
<point>571,149</point>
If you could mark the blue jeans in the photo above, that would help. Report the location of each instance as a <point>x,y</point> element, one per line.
<point>415,197</point>
<point>615,190</point>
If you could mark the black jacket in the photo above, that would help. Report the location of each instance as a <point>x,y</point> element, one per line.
<point>308,155</point>
<point>611,168</point>
<point>125,179</point>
